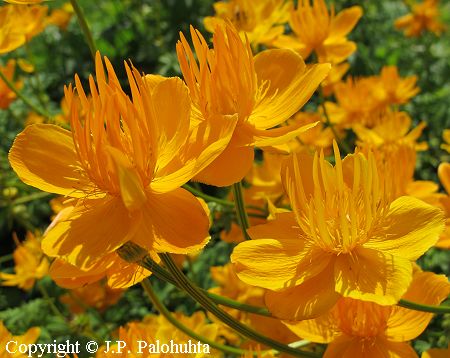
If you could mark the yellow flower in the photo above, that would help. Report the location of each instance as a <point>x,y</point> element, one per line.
<point>261,21</point>
<point>437,353</point>
<point>446,137</point>
<point>393,89</point>
<point>322,31</point>
<point>391,129</point>
<point>125,162</point>
<point>96,295</point>
<point>343,238</point>
<point>119,273</point>
<point>335,76</point>
<point>29,337</point>
<point>263,91</point>
<point>356,102</point>
<point>156,328</point>
<point>61,17</point>
<point>6,95</point>
<point>30,264</point>
<point>24,2</point>
<point>444,177</point>
<point>363,329</point>
<point>230,286</point>
<point>424,17</point>
<point>20,24</point>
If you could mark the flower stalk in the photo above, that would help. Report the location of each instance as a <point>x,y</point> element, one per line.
<point>84,27</point>
<point>209,305</point>
<point>240,209</point>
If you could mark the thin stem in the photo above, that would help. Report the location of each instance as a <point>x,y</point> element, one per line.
<point>328,122</point>
<point>424,308</point>
<point>133,253</point>
<point>84,27</point>
<point>167,315</point>
<point>6,258</point>
<point>230,321</point>
<point>19,94</point>
<point>240,209</point>
<point>50,302</point>
<point>208,198</point>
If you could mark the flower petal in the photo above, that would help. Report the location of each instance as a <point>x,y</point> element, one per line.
<point>229,167</point>
<point>281,135</point>
<point>444,176</point>
<point>44,156</point>
<point>371,275</point>
<point>351,347</point>
<point>286,84</point>
<point>323,329</point>
<point>426,288</point>
<point>282,262</point>
<point>345,21</point>
<point>410,228</point>
<point>91,230</point>
<point>175,222</point>
<point>205,153</point>
<point>312,298</point>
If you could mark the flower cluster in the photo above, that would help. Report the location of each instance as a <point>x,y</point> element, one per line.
<point>325,223</point>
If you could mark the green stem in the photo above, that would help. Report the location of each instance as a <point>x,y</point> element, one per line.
<point>84,27</point>
<point>167,315</point>
<point>424,308</point>
<point>133,253</point>
<point>223,202</point>
<point>6,258</point>
<point>50,302</point>
<point>230,321</point>
<point>206,197</point>
<point>328,122</point>
<point>19,94</point>
<point>240,209</point>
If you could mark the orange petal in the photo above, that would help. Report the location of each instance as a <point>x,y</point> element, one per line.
<point>351,347</point>
<point>404,237</point>
<point>426,288</point>
<point>444,176</point>
<point>44,156</point>
<point>91,230</point>
<point>282,259</point>
<point>323,329</point>
<point>175,222</point>
<point>229,167</point>
<point>208,139</point>
<point>286,84</point>
<point>371,275</point>
<point>345,21</point>
<point>311,299</point>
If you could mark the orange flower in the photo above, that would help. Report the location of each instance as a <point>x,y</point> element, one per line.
<point>125,162</point>
<point>30,264</point>
<point>30,336</point>
<point>20,24</point>
<point>263,91</point>
<point>319,30</point>
<point>154,329</point>
<point>424,17</point>
<point>363,329</point>
<point>437,353</point>
<point>230,286</point>
<point>61,17</point>
<point>444,177</point>
<point>393,89</point>
<point>96,295</point>
<point>261,22</point>
<point>344,238</point>
<point>6,95</point>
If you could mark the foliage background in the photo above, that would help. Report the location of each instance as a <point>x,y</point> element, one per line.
<point>146,31</point>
